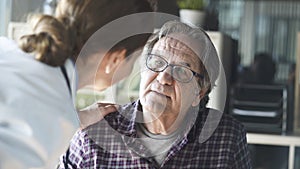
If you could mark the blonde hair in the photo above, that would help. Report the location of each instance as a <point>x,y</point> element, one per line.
<point>50,41</point>
<point>56,38</point>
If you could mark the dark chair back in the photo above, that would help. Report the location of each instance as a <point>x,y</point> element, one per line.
<point>261,108</point>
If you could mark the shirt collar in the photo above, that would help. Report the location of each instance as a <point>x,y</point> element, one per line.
<point>132,114</point>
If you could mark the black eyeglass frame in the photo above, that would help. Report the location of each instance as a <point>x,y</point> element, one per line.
<point>172,66</point>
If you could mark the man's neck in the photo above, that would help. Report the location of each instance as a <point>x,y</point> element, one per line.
<point>164,124</point>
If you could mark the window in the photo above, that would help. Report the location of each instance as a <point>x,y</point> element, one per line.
<point>262,26</point>
<point>5,16</point>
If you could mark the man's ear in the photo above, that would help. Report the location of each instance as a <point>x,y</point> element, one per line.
<point>199,96</point>
<point>114,59</point>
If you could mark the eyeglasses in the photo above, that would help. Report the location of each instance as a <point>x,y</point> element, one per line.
<point>180,73</point>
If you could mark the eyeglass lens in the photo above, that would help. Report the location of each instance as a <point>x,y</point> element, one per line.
<point>159,64</point>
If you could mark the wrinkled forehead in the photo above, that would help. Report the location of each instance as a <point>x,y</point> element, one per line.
<point>173,48</point>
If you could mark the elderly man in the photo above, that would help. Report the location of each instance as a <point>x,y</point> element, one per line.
<point>169,126</point>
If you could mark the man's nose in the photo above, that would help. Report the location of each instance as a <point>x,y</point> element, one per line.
<point>165,77</point>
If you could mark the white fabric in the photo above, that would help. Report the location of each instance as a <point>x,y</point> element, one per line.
<point>37,114</point>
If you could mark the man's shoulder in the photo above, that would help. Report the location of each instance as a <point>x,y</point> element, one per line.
<point>231,126</point>
<point>222,122</point>
<point>119,121</point>
<point>229,120</point>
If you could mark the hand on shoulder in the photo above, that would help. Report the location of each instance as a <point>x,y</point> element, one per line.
<point>95,112</point>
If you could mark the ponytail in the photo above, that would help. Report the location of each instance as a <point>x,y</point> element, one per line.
<point>62,36</point>
<point>49,43</point>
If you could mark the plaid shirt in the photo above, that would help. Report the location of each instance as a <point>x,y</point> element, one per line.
<point>112,143</point>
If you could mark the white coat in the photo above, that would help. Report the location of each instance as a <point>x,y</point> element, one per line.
<point>37,114</point>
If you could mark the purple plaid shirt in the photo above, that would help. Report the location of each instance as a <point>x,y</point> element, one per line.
<point>113,143</point>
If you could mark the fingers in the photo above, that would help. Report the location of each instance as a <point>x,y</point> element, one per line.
<point>94,113</point>
<point>106,108</point>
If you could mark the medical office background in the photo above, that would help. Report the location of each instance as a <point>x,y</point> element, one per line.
<point>248,27</point>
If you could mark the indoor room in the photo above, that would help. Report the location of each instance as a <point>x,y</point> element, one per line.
<point>258,83</point>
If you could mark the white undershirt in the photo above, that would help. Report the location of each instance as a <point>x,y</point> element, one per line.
<point>159,145</point>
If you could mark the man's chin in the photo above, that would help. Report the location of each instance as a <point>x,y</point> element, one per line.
<point>155,108</point>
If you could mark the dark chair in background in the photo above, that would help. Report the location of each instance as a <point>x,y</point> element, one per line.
<point>261,108</point>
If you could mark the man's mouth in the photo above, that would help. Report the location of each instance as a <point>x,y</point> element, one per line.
<point>161,94</point>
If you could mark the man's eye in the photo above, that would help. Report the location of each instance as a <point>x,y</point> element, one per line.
<point>159,63</point>
<point>181,70</point>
